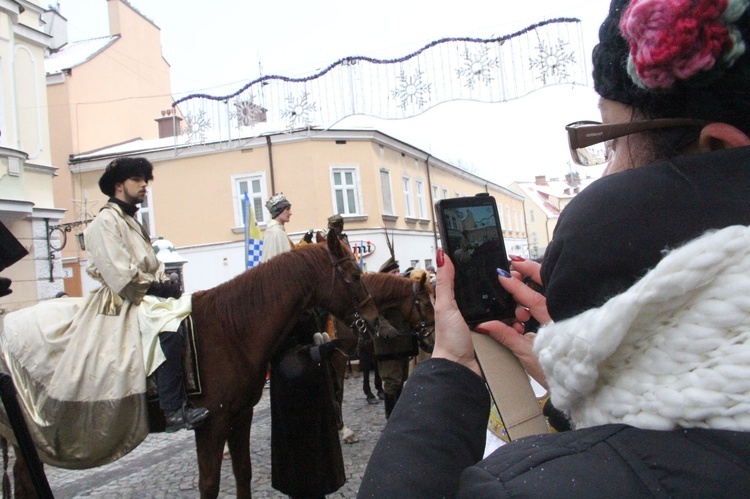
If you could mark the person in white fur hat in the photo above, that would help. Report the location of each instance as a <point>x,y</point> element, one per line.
<point>645,337</point>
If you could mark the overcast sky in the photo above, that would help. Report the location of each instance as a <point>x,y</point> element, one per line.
<point>216,46</point>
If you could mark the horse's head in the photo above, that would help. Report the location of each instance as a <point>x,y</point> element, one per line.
<point>354,304</point>
<point>422,312</point>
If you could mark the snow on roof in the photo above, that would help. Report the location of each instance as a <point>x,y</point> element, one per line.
<point>560,189</point>
<point>76,53</point>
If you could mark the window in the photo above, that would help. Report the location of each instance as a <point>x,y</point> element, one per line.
<point>406,181</point>
<point>531,215</point>
<point>345,189</point>
<point>421,205</point>
<point>435,192</point>
<point>445,193</point>
<point>145,213</point>
<point>507,217</point>
<point>254,184</point>
<point>385,190</point>
<point>515,219</point>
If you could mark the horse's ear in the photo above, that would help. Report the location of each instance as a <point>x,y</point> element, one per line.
<point>319,238</point>
<point>337,249</point>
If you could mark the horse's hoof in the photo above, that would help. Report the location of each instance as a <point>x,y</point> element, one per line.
<point>381,395</point>
<point>372,400</point>
<point>348,436</point>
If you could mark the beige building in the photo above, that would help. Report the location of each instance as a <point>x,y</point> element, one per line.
<point>101,92</point>
<point>110,97</point>
<point>375,181</point>
<point>27,205</point>
<point>544,200</point>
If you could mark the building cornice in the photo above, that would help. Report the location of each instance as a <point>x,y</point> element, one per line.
<point>31,35</point>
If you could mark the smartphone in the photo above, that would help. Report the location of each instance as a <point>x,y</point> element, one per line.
<point>472,237</point>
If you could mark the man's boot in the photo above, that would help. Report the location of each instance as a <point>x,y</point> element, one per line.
<point>177,412</point>
<point>390,402</point>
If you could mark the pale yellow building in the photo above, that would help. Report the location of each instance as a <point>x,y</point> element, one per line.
<point>375,181</point>
<point>544,200</point>
<point>101,91</point>
<point>27,205</point>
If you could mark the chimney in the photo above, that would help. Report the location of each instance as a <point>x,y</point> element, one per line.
<point>56,26</point>
<point>540,180</point>
<point>573,179</point>
<point>169,124</point>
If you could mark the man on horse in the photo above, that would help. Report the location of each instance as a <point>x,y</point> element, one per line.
<point>122,259</point>
<point>275,240</point>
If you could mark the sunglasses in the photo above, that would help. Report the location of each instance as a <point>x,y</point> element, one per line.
<point>590,142</point>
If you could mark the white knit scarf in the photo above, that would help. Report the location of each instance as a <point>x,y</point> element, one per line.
<point>673,351</point>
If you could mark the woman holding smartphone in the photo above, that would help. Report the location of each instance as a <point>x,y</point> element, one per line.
<point>645,343</point>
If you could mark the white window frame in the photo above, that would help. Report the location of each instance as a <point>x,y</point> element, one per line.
<point>386,187</point>
<point>148,212</point>
<point>408,196</point>
<point>515,220</point>
<point>421,205</point>
<point>435,193</point>
<point>445,193</point>
<point>239,216</point>
<point>355,187</point>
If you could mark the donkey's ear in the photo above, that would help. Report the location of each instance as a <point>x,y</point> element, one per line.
<point>334,244</point>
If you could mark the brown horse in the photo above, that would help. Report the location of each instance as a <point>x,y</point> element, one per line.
<point>412,298</point>
<point>239,325</point>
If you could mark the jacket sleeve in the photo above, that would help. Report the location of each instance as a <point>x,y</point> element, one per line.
<point>437,429</point>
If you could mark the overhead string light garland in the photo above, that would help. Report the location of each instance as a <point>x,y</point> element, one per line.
<point>475,69</point>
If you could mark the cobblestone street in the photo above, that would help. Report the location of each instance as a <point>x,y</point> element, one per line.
<point>165,465</point>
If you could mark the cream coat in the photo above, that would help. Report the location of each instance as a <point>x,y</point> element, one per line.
<point>80,364</point>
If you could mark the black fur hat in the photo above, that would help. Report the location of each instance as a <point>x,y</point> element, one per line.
<point>121,169</point>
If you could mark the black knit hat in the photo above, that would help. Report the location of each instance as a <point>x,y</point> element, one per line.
<point>710,95</point>
<point>121,169</point>
<point>389,266</point>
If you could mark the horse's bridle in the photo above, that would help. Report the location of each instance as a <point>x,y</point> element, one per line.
<point>358,323</point>
<point>420,330</point>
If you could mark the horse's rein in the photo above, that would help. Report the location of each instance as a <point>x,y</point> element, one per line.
<point>358,323</point>
<point>420,329</point>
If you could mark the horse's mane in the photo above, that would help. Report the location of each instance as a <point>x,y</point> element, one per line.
<point>257,292</point>
<point>384,286</point>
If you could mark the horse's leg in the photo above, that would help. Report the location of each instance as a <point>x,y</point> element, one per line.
<point>239,448</point>
<point>339,363</point>
<point>209,442</point>
<point>378,382</point>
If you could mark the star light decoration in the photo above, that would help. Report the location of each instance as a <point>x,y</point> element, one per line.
<point>412,90</point>
<point>195,127</point>
<point>298,111</point>
<point>553,61</point>
<point>477,68</point>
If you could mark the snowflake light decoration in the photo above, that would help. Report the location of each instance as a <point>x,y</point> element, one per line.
<point>412,90</point>
<point>195,127</point>
<point>552,62</point>
<point>298,111</point>
<point>245,111</point>
<point>477,68</point>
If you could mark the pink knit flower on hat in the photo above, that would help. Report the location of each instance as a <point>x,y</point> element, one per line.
<point>674,40</point>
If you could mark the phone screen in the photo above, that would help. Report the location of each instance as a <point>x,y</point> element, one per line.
<point>472,237</point>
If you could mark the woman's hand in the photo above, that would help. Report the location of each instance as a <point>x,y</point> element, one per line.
<point>452,335</point>
<point>531,303</point>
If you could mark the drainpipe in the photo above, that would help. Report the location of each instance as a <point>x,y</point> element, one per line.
<point>432,201</point>
<point>270,164</point>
